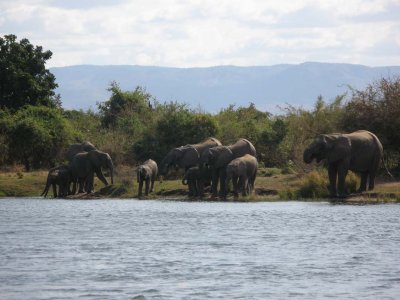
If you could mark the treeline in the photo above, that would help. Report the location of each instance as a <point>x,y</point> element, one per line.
<point>133,126</point>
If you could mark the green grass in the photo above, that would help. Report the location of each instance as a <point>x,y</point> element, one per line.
<point>279,186</point>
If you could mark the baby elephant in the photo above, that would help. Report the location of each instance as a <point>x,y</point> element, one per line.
<point>242,171</point>
<point>196,178</point>
<point>59,176</point>
<point>147,172</point>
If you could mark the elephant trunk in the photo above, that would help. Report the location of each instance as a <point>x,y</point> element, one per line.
<point>307,156</point>
<point>111,172</point>
<point>46,190</point>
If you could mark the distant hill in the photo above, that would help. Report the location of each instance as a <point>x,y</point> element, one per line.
<point>216,87</point>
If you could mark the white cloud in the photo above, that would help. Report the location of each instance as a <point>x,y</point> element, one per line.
<point>204,33</point>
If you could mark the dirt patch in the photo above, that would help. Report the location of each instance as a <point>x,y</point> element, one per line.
<point>107,191</point>
<point>265,192</point>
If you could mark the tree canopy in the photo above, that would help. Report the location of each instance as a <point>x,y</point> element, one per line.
<point>24,79</point>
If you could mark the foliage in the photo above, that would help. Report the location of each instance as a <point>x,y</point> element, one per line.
<point>176,125</point>
<point>377,109</point>
<point>24,79</point>
<point>303,126</point>
<point>314,185</point>
<point>37,136</point>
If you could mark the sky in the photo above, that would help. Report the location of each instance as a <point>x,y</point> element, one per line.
<point>203,33</point>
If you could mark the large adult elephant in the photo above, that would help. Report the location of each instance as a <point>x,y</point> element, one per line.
<point>77,148</point>
<point>186,156</point>
<point>74,149</point>
<point>219,157</point>
<point>359,151</point>
<point>85,164</point>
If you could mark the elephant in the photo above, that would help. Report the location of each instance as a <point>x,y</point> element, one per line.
<point>219,157</point>
<point>242,171</point>
<point>186,156</point>
<point>85,164</point>
<point>359,151</point>
<point>147,172</point>
<point>59,176</point>
<point>77,148</point>
<point>196,178</point>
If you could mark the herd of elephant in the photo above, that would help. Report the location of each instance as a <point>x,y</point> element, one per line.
<point>209,162</point>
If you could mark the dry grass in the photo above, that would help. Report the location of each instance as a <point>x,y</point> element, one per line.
<point>313,185</point>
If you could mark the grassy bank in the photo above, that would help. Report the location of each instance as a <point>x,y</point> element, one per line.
<point>269,187</point>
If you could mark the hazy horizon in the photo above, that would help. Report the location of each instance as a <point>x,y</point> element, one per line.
<point>207,33</point>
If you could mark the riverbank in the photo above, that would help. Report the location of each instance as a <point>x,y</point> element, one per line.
<point>268,188</point>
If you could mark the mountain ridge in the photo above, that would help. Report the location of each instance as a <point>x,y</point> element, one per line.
<point>213,88</point>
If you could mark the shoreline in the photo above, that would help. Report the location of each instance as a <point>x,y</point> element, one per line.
<point>282,187</point>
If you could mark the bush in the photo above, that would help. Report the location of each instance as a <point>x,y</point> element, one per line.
<point>315,185</point>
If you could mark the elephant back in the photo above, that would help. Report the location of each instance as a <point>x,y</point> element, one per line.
<point>243,147</point>
<point>206,144</point>
<point>77,148</point>
<point>152,165</point>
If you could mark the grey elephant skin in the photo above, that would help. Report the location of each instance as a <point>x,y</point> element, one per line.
<point>186,156</point>
<point>359,151</point>
<point>74,149</point>
<point>85,164</point>
<point>58,177</point>
<point>219,157</point>
<point>243,172</point>
<point>146,173</point>
<point>77,148</point>
<point>196,178</point>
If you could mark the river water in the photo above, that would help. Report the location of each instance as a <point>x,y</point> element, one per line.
<point>130,249</point>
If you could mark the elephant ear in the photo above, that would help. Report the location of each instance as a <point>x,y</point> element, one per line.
<point>225,156</point>
<point>95,158</point>
<point>338,149</point>
<point>190,157</point>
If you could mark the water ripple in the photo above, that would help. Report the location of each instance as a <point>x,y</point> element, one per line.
<point>111,249</point>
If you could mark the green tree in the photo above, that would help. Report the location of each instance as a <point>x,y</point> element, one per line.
<point>24,79</point>
<point>38,136</point>
<point>377,109</point>
<point>127,110</point>
<point>304,125</point>
<point>176,125</point>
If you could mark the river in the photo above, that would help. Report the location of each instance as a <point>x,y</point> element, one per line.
<point>131,249</point>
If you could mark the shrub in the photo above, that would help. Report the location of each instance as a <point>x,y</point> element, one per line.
<point>314,185</point>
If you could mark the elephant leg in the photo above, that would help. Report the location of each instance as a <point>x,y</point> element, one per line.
<point>332,173</point>
<point>222,183</point>
<point>152,186</point>
<point>235,184</point>
<point>73,192</point>
<point>101,176</point>
<point>214,183</point>
<point>81,185</point>
<point>363,185</point>
<point>195,190</point>
<point>371,183</point>
<point>192,188</point>
<point>54,190</point>
<point>200,188</point>
<point>89,185</point>
<point>244,184</point>
<point>147,186</point>
<point>140,188</point>
<point>342,173</point>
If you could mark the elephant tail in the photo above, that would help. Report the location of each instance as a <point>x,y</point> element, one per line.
<point>386,168</point>
<point>46,189</point>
